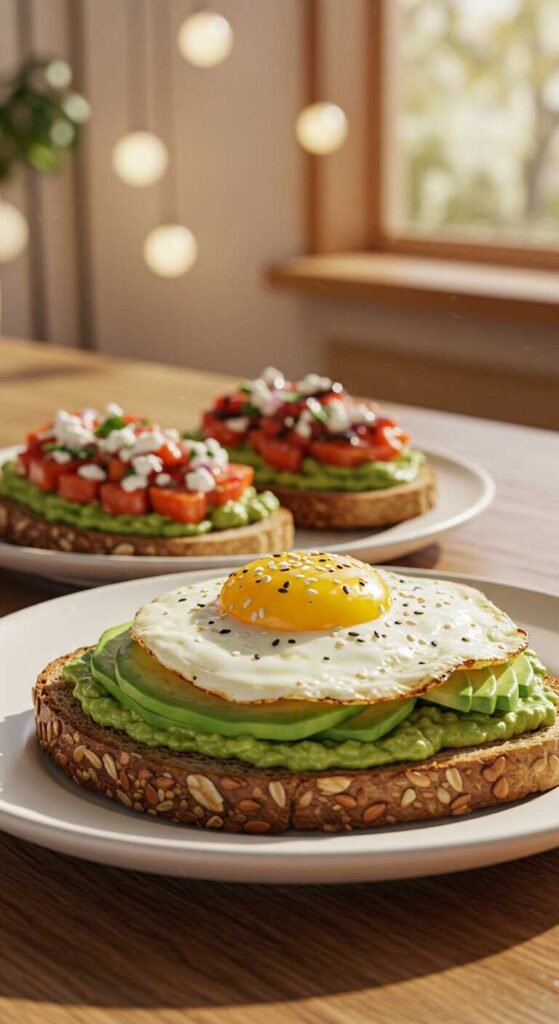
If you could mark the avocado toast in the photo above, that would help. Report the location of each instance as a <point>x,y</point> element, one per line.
<point>111,483</point>
<point>305,691</point>
<point>334,461</point>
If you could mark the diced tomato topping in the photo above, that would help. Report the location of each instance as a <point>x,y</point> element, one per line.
<point>171,455</point>
<point>118,502</point>
<point>45,473</point>
<point>33,439</point>
<point>116,470</point>
<point>280,454</point>
<point>183,506</point>
<point>76,488</point>
<point>214,427</point>
<point>342,453</point>
<point>231,484</point>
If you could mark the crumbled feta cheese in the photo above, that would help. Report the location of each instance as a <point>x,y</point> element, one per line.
<point>313,382</point>
<point>70,431</point>
<point>172,434</point>
<point>200,480</point>
<point>146,464</point>
<point>304,424</point>
<point>361,413</point>
<point>272,377</point>
<point>339,417</point>
<point>92,472</point>
<point>149,441</point>
<point>195,448</point>
<point>134,482</point>
<point>238,424</point>
<point>162,479</point>
<point>266,400</point>
<point>60,457</point>
<point>112,409</point>
<point>117,440</point>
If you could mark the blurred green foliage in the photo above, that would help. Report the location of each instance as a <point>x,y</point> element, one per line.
<point>40,117</point>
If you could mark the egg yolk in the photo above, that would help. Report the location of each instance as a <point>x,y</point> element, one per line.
<point>303,590</point>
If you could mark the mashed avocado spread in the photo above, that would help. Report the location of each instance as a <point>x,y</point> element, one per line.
<point>318,476</point>
<point>251,508</point>
<point>422,734</point>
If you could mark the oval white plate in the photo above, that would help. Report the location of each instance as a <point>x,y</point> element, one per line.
<point>39,804</point>
<point>464,490</point>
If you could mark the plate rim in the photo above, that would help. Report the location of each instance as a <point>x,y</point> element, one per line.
<point>91,839</point>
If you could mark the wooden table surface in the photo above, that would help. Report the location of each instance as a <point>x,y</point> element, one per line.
<point>83,943</point>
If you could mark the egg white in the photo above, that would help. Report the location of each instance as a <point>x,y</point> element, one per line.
<point>432,628</point>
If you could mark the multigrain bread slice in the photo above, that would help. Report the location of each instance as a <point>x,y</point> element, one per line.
<point>236,797</point>
<point>19,525</point>
<point>351,510</point>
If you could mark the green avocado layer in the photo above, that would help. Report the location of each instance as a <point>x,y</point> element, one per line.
<point>422,734</point>
<point>318,476</point>
<point>251,508</point>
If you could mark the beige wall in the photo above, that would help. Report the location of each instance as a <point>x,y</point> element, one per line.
<point>241,189</point>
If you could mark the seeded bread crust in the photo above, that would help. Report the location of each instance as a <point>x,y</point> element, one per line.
<point>236,797</point>
<point>351,510</point>
<point>18,525</point>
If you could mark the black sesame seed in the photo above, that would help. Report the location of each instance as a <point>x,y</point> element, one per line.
<point>287,584</point>
<point>282,590</point>
<point>184,599</point>
<point>397,622</point>
<point>200,605</point>
<point>290,641</point>
<point>360,640</point>
<point>376,634</point>
<point>353,634</point>
<point>211,622</point>
<point>418,613</point>
<point>434,643</point>
<point>276,555</point>
<point>257,657</point>
<point>326,658</point>
<point>275,643</point>
<point>244,571</point>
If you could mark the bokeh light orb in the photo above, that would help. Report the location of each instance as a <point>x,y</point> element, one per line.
<point>140,159</point>
<point>170,250</point>
<point>14,232</point>
<point>205,39</point>
<point>321,128</point>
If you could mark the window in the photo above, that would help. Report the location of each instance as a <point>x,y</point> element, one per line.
<point>473,140</point>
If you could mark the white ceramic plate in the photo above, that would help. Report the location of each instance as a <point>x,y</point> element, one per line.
<point>39,804</point>
<point>465,490</point>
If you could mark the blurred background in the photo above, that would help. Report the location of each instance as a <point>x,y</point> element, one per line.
<point>364,187</point>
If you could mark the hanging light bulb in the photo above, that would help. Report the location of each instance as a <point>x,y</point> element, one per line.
<point>170,250</point>
<point>14,232</point>
<point>140,159</point>
<point>321,128</point>
<point>205,39</point>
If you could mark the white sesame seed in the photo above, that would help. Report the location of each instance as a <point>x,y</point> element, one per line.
<point>254,617</point>
<point>245,603</point>
<point>261,613</point>
<point>311,590</point>
<point>235,654</point>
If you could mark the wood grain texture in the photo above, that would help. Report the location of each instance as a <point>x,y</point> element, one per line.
<point>81,943</point>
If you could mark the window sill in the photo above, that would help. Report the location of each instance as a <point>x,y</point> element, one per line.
<point>422,283</point>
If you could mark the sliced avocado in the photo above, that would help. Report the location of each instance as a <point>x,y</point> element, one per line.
<point>456,693</point>
<point>507,687</point>
<point>484,683</point>
<point>157,691</point>
<point>525,675</point>
<point>371,723</point>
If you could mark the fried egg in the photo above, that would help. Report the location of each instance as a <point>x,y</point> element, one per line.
<point>316,626</point>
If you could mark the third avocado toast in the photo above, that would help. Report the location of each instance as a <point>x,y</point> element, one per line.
<point>315,678</point>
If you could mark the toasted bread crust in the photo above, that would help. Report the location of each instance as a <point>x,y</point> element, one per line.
<point>352,510</point>
<point>19,525</point>
<point>236,797</point>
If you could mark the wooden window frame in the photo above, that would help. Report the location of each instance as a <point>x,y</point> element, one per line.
<point>360,89</point>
